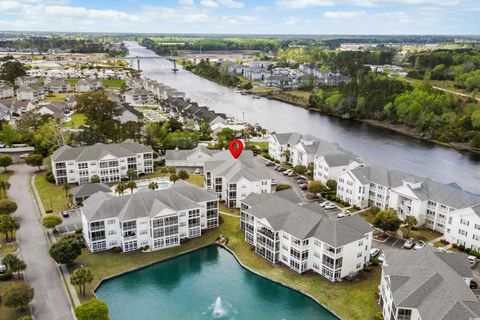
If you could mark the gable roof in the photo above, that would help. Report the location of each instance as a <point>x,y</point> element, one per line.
<point>98,151</point>
<point>431,282</point>
<point>86,190</point>
<point>283,212</point>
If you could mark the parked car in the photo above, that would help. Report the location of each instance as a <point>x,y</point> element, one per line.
<point>301,181</point>
<point>343,214</point>
<point>269,163</point>
<point>323,204</point>
<point>197,171</point>
<point>420,244</point>
<point>281,169</point>
<point>473,260</point>
<point>287,172</point>
<point>381,257</point>
<point>274,182</point>
<point>330,206</point>
<point>65,214</point>
<point>409,244</point>
<point>473,285</point>
<point>374,252</point>
<point>292,174</point>
<point>3,268</point>
<point>23,156</point>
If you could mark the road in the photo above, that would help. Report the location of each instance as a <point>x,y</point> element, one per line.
<point>50,301</point>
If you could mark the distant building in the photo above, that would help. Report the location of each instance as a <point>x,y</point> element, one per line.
<point>110,162</point>
<point>31,93</point>
<point>57,85</point>
<point>139,97</point>
<point>6,91</point>
<point>86,85</point>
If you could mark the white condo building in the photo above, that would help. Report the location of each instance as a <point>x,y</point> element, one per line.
<point>304,236</point>
<point>235,179</point>
<point>463,227</point>
<point>110,162</point>
<point>158,219</point>
<point>279,143</point>
<point>427,285</point>
<point>331,166</point>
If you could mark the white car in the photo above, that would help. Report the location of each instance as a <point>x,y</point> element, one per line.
<point>420,244</point>
<point>3,268</point>
<point>287,172</point>
<point>343,214</point>
<point>473,260</point>
<point>330,206</point>
<point>374,252</point>
<point>381,257</point>
<point>197,171</point>
<point>323,204</point>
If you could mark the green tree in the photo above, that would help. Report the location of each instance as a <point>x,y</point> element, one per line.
<point>387,220</point>
<point>153,185</point>
<point>7,206</point>
<point>182,174</point>
<point>331,185</point>
<point>131,174</point>
<point>10,70</point>
<point>47,136</point>
<point>224,137</point>
<point>8,226</point>
<point>4,186</point>
<point>95,179</point>
<point>8,134</point>
<point>17,295</point>
<point>80,277</point>
<point>66,250</point>
<point>66,188</point>
<point>287,155</point>
<point>205,131</point>
<point>171,170</point>
<point>14,263</point>
<point>300,169</point>
<point>92,309</point>
<point>316,187</point>
<point>35,160</point>
<point>174,178</point>
<point>131,185</point>
<point>5,161</point>
<point>120,188</point>
<point>50,221</point>
<point>411,222</point>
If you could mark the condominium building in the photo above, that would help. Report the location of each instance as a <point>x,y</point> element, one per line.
<point>158,219</point>
<point>6,91</point>
<point>57,85</point>
<point>86,85</point>
<point>463,227</point>
<point>31,93</point>
<point>190,159</point>
<point>279,145</point>
<point>331,166</point>
<point>110,162</point>
<point>139,97</point>
<point>427,285</point>
<point>234,179</point>
<point>304,236</point>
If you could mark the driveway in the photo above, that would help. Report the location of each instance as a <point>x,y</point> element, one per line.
<point>71,223</point>
<point>50,301</point>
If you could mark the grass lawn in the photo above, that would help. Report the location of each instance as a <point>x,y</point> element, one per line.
<point>52,196</point>
<point>9,313</point>
<point>421,234</point>
<point>223,208</point>
<point>6,248</point>
<point>73,81</point>
<point>77,120</point>
<point>55,97</point>
<point>439,244</point>
<point>262,145</point>
<point>113,83</point>
<point>367,216</point>
<point>196,179</point>
<point>350,300</point>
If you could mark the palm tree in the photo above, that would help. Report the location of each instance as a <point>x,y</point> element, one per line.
<point>80,277</point>
<point>131,185</point>
<point>287,155</point>
<point>4,186</point>
<point>120,188</point>
<point>153,185</point>
<point>411,222</point>
<point>14,263</point>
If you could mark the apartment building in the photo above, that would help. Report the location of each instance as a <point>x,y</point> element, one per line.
<point>86,85</point>
<point>190,159</point>
<point>331,166</point>
<point>305,237</point>
<point>427,284</point>
<point>6,91</point>
<point>279,145</point>
<point>139,97</point>
<point>57,85</point>
<point>26,81</point>
<point>463,227</point>
<point>110,162</point>
<point>158,219</point>
<point>235,179</point>
<point>31,93</point>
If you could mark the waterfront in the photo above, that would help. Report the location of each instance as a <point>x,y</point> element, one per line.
<point>189,287</point>
<point>375,145</point>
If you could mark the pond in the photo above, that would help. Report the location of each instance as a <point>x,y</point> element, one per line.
<point>206,284</point>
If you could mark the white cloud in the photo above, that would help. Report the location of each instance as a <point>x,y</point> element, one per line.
<point>80,12</point>
<point>291,21</point>
<point>186,3</point>
<point>245,20</point>
<point>209,3</point>
<point>259,9</point>
<point>343,14</point>
<point>232,4</point>
<point>301,4</point>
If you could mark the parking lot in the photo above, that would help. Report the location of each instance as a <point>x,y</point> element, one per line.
<point>71,223</point>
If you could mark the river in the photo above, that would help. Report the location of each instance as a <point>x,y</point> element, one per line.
<point>376,146</point>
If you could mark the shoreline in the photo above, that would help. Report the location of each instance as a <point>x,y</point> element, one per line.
<point>219,245</point>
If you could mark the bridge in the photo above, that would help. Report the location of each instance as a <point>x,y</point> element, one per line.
<point>138,58</point>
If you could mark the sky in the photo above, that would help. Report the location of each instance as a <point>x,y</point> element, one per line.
<point>244,16</point>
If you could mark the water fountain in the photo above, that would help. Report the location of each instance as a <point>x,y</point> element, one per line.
<point>218,310</point>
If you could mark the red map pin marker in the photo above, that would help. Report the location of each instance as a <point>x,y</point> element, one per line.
<point>236,148</point>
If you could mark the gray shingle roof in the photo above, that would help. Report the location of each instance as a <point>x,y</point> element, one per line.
<point>431,282</point>
<point>339,159</point>
<point>283,212</point>
<point>183,154</point>
<point>382,176</point>
<point>86,190</point>
<point>224,165</point>
<point>290,138</point>
<point>98,151</point>
<point>184,196</point>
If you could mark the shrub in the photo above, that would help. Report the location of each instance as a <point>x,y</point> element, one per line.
<point>374,261</point>
<point>50,221</point>
<point>48,211</point>
<point>183,240</point>
<point>7,206</point>
<point>50,177</point>
<point>117,249</point>
<point>66,250</point>
<point>332,197</point>
<point>8,275</point>
<point>467,250</point>
<point>454,245</point>
<point>461,247</point>
<point>92,309</point>
<point>281,187</point>
<point>182,174</point>
<point>367,269</point>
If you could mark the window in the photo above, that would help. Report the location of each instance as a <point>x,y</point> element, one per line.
<point>111,221</point>
<point>464,222</point>
<point>358,265</point>
<point>359,254</point>
<point>462,232</point>
<point>112,232</point>
<point>404,314</point>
